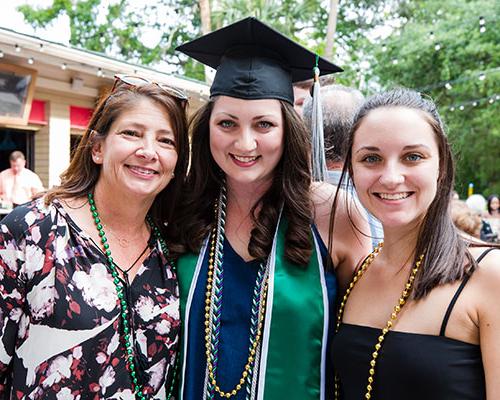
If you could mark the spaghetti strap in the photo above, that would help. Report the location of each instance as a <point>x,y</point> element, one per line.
<point>457,293</point>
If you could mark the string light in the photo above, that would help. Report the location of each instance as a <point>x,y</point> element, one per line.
<point>99,72</point>
<point>437,47</point>
<point>41,47</point>
<point>475,102</point>
<point>431,35</point>
<point>395,61</point>
<point>17,48</point>
<point>481,21</point>
<point>31,60</point>
<point>1,54</point>
<point>64,66</point>
<point>448,86</point>
<point>481,75</point>
<point>482,29</point>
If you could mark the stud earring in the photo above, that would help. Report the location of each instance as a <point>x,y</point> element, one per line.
<point>173,175</point>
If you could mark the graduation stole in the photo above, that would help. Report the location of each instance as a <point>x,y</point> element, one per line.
<point>293,354</point>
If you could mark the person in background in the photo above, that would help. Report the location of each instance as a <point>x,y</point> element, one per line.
<point>419,320</point>
<point>18,184</point>
<point>89,306</point>
<point>301,92</point>
<point>466,219</point>
<point>493,216</point>
<point>256,293</point>
<point>339,107</point>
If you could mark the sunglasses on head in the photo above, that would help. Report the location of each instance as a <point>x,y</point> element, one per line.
<point>136,81</point>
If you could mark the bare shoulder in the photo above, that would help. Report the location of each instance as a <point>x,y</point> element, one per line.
<point>488,271</point>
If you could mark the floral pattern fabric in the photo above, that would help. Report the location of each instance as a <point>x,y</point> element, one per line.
<point>60,314</point>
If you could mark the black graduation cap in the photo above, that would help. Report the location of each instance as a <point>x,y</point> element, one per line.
<point>254,61</point>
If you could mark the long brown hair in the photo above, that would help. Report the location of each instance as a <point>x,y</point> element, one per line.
<point>82,174</point>
<point>290,187</point>
<point>446,258</point>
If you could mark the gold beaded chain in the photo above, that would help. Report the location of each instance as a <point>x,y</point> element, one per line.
<point>258,335</point>
<point>394,315</point>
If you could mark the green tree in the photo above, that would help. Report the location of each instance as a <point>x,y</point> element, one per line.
<point>446,50</point>
<point>116,29</point>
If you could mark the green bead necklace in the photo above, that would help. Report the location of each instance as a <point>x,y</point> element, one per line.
<point>124,313</point>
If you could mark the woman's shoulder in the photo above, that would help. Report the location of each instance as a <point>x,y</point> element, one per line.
<point>25,217</point>
<point>486,277</point>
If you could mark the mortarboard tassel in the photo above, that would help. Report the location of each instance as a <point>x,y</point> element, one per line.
<point>318,145</point>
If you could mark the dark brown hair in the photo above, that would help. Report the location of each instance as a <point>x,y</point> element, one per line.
<point>446,258</point>
<point>82,174</point>
<point>290,187</point>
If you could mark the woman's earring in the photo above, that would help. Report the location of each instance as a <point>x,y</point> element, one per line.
<point>173,175</point>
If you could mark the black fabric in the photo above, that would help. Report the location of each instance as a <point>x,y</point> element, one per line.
<point>409,367</point>
<point>254,61</point>
<point>442,331</point>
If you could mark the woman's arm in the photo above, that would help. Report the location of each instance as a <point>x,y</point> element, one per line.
<point>351,232</point>
<point>12,296</point>
<point>489,321</point>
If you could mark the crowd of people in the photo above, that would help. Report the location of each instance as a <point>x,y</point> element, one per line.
<point>242,277</point>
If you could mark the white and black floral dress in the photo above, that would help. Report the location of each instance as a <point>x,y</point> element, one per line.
<point>60,315</point>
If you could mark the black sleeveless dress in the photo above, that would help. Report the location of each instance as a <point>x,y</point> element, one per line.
<point>410,366</point>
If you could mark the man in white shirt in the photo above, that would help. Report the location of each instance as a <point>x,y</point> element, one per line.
<point>18,184</point>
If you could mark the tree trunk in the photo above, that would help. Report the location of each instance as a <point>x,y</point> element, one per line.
<point>206,18</point>
<point>331,27</point>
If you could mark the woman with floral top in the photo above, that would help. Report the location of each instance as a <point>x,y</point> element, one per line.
<point>89,297</point>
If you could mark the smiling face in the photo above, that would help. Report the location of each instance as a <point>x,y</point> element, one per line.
<point>246,138</point>
<point>138,155</point>
<point>395,165</point>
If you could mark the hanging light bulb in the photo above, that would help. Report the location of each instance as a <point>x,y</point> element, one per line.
<point>41,47</point>
<point>384,48</point>
<point>31,60</point>
<point>448,86</point>
<point>452,109</point>
<point>99,72</point>
<point>461,108</point>
<point>395,61</point>
<point>431,35</point>
<point>481,21</point>
<point>474,104</point>
<point>64,66</point>
<point>1,54</point>
<point>491,101</point>
<point>17,48</point>
<point>482,76</point>
<point>437,47</point>
<point>482,29</point>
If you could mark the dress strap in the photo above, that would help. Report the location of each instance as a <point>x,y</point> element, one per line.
<point>457,294</point>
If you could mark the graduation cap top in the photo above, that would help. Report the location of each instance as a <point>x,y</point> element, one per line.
<point>254,61</point>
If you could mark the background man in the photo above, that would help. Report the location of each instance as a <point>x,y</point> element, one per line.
<point>17,183</point>
<point>339,105</point>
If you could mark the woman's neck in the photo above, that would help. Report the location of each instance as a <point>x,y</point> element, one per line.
<point>124,215</point>
<point>399,246</point>
<point>243,196</point>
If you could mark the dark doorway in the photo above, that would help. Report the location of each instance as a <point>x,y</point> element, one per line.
<point>16,139</point>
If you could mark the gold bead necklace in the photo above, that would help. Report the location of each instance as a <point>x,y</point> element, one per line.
<point>394,315</point>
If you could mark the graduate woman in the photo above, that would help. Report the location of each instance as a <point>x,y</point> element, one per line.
<point>254,295</point>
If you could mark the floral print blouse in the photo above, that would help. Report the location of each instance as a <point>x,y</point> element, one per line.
<point>59,313</point>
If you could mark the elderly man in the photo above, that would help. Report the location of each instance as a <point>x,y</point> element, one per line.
<point>18,184</point>
<point>339,106</point>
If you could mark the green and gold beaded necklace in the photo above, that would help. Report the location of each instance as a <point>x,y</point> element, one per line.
<point>394,315</point>
<point>127,339</point>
